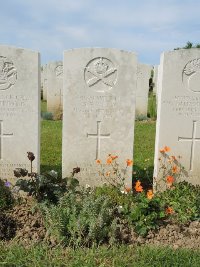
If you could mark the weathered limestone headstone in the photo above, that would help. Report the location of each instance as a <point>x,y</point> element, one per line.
<point>99,110</point>
<point>44,81</point>
<point>55,88</point>
<point>143,76</point>
<point>19,109</point>
<point>178,121</point>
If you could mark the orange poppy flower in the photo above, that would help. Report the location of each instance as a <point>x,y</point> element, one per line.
<point>98,161</point>
<point>175,169</point>
<point>138,187</point>
<point>169,210</point>
<point>129,162</point>
<point>109,161</point>
<point>165,149</point>
<point>150,194</point>
<point>170,179</point>
<point>127,189</point>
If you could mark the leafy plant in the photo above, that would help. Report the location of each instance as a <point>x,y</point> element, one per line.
<point>48,186</point>
<point>6,198</point>
<point>145,214</point>
<point>83,219</point>
<point>184,199</point>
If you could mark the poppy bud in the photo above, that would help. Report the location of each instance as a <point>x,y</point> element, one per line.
<point>31,156</point>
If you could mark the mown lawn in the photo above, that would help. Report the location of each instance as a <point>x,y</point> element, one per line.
<point>122,256</point>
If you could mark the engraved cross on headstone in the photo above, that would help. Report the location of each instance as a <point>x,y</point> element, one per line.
<point>2,135</point>
<point>98,136</point>
<point>193,139</point>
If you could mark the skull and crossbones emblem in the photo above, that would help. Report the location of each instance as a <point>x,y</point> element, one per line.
<point>101,71</point>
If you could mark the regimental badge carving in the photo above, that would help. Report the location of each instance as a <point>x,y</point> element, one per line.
<point>100,74</point>
<point>8,73</point>
<point>59,71</point>
<point>191,75</point>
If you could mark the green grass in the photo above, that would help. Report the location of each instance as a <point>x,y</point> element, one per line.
<point>43,256</point>
<point>144,151</point>
<point>51,146</point>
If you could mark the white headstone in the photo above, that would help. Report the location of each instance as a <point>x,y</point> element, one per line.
<point>178,120</point>
<point>55,88</point>
<point>19,109</point>
<point>142,92</point>
<point>99,110</point>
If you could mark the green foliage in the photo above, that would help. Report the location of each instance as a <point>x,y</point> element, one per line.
<point>82,219</point>
<point>188,45</point>
<point>184,198</point>
<point>47,187</point>
<point>152,108</point>
<point>145,214</point>
<point>6,198</point>
<point>117,196</point>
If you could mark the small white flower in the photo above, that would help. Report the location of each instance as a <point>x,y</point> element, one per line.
<point>87,186</point>
<point>53,173</point>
